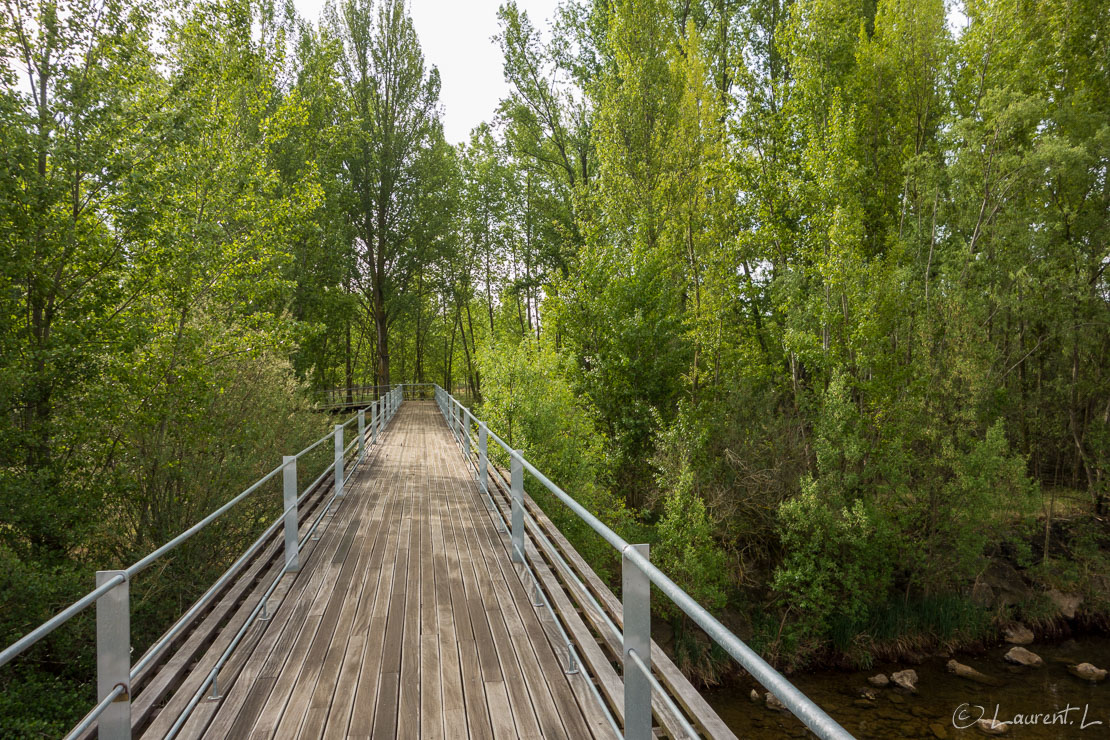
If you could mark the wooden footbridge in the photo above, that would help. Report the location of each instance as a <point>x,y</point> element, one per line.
<point>412,590</point>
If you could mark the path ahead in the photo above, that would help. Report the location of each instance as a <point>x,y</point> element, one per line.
<point>407,619</point>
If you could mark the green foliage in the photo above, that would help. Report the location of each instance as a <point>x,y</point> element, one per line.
<point>838,560</point>
<point>840,270</point>
<point>529,403</point>
<point>686,550</point>
<point>36,704</point>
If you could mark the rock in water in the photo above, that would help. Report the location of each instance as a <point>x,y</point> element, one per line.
<point>966,671</point>
<point>990,727</point>
<point>1021,656</point>
<point>940,732</point>
<point>879,680</point>
<point>1018,634</point>
<point>1088,672</point>
<point>907,679</point>
<point>774,703</point>
<point>754,696</point>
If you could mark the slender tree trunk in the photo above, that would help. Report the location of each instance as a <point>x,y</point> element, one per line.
<point>474,344</point>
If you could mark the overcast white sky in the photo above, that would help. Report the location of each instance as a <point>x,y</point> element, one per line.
<point>457,37</point>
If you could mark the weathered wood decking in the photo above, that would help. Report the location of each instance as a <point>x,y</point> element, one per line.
<point>407,619</point>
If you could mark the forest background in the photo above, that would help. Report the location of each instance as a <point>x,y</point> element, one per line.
<point>811,295</point>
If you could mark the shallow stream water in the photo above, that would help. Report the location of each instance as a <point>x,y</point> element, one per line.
<point>944,703</point>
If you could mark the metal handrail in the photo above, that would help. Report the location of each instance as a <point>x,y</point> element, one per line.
<point>57,620</point>
<point>122,577</point>
<point>800,705</point>
<point>90,719</point>
<point>144,563</point>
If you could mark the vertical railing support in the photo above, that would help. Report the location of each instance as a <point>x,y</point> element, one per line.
<point>339,461</point>
<point>361,433</point>
<point>516,470</point>
<point>113,655</point>
<point>289,479</point>
<point>636,598</point>
<point>465,426</point>
<point>483,460</point>
<point>374,423</point>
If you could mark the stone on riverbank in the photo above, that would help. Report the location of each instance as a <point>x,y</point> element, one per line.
<point>879,681</point>
<point>906,679</point>
<point>774,704</point>
<point>1021,656</point>
<point>1066,603</point>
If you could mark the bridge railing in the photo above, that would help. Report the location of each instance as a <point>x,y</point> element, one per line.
<point>114,671</point>
<point>637,576</point>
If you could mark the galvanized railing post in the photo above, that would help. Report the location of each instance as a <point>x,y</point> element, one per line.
<point>113,655</point>
<point>483,460</point>
<point>361,433</point>
<point>374,424</point>
<point>339,461</point>
<point>289,479</point>
<point>636,598</point>
<point>516,470</point>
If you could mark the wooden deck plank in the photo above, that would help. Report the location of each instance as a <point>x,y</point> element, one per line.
<point>454,710</point>
<point>328,686</point>
<point>409,719</point>
<point>524,716</point>
<point>473,691</point>
<point>357,660</point>
<point>346,683</point>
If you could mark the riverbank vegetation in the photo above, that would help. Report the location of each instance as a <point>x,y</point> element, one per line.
<point>811,295</point>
